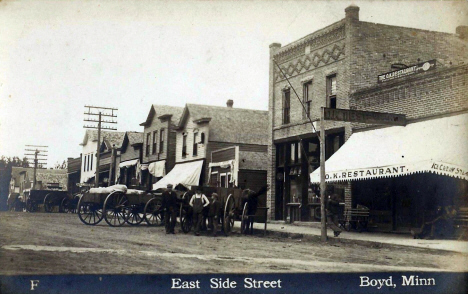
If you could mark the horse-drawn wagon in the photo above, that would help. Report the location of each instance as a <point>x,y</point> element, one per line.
<point>118,205</point>
<point>237,205</point>
<point>50,200</point>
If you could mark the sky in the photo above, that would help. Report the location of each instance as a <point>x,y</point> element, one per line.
<point>57,56</point>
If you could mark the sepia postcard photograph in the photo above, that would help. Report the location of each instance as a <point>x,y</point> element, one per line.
<point>228,146</point>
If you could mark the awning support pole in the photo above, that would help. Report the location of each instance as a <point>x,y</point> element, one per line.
<point>323,219</point>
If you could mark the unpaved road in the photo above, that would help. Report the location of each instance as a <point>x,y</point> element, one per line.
<point>41,243</point>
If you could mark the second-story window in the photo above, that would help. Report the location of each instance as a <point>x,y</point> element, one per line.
<point>307,98</point>
<point>161,140</point>
<point>195,144</point>
<point>331,91</point>
<point>286,106</point>
<point>184,145</point>
<point>84,163</point>
<point>91,155</point>
<point>155,139</point>
<point>148,138</point>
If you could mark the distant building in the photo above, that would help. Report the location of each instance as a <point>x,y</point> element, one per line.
<point>159,143</point>
<point>128,164</point>
<point>74,174</point>
<point>109,153</point>
<point>88,158</point>
<point>239,136</point>
<point>22,178</point>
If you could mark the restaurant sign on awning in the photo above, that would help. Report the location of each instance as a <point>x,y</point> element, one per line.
<point>410,70</point>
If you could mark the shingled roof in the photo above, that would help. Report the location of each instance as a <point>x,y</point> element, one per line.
<point>93,134</point>
<point>113,139</point>
<point>46,176</point>
<point>135,137</point>
<point>228,124</point>
<point>161,110</point>
<point>132,138</point>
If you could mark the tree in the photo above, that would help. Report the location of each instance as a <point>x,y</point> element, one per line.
<point>6,163</point>
<point>60,166</point>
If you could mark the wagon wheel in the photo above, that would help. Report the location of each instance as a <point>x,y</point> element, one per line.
<point>64,205</point>
<point>153,212</point>
<point>49,203</point>
<point>135,216</point>
<point>245,219</point>
<point>31,206</point>
<point>74,203</point>
<point>186,221</point>
<point>90,213</point>
<point>116,209</point>
<point>229,214</point>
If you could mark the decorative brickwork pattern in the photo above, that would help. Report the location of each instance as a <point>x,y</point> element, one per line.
<point>314,41</point>
<point>313,60</point>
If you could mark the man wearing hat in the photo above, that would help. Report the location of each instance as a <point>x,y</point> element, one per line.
<point>198,202</point>
<point>214,213</point>
<point>169,205</point>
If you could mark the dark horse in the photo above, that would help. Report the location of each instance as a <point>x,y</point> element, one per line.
<point>251,198</point>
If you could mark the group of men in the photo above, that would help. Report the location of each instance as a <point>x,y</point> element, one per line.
<point>198,202</point>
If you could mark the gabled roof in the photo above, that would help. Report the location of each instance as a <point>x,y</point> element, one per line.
<point>93,134</point>
<point>132,138</point>
<point>163,110</point>
<point>113,139</point>
<point>228,124</point>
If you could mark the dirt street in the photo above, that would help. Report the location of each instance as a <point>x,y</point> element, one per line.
<point>41,243</point>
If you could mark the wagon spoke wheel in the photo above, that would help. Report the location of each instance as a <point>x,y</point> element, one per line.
<point>135,215</point>
<point>49,203</point>
<point>65,205</point>
<point>229,215</point>
<point>153,212</point>
<point>90,213</point>
<point>116,209</point>
<point>245,219</point>
<point>186,221</point>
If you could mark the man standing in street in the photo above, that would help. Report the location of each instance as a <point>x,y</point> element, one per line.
<point>214,213</point>
<point>169,204</point>
<point>198,202</point>
<point>333,210</point>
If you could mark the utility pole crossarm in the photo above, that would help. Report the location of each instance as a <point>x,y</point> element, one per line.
<point>100,112</point>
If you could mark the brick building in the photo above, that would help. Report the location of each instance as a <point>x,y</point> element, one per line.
<point>159,140</point>
<point>326,68</point>
<point>403,173</point>
<point>220,146</point>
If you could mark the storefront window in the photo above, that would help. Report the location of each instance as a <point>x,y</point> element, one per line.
<point>293,152</point>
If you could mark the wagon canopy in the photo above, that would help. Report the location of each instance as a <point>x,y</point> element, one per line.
<point>436,146</point>
<point>187,174</point>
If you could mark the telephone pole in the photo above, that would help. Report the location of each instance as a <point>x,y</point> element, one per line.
<point>38,157</point>
<point>90,115</point>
